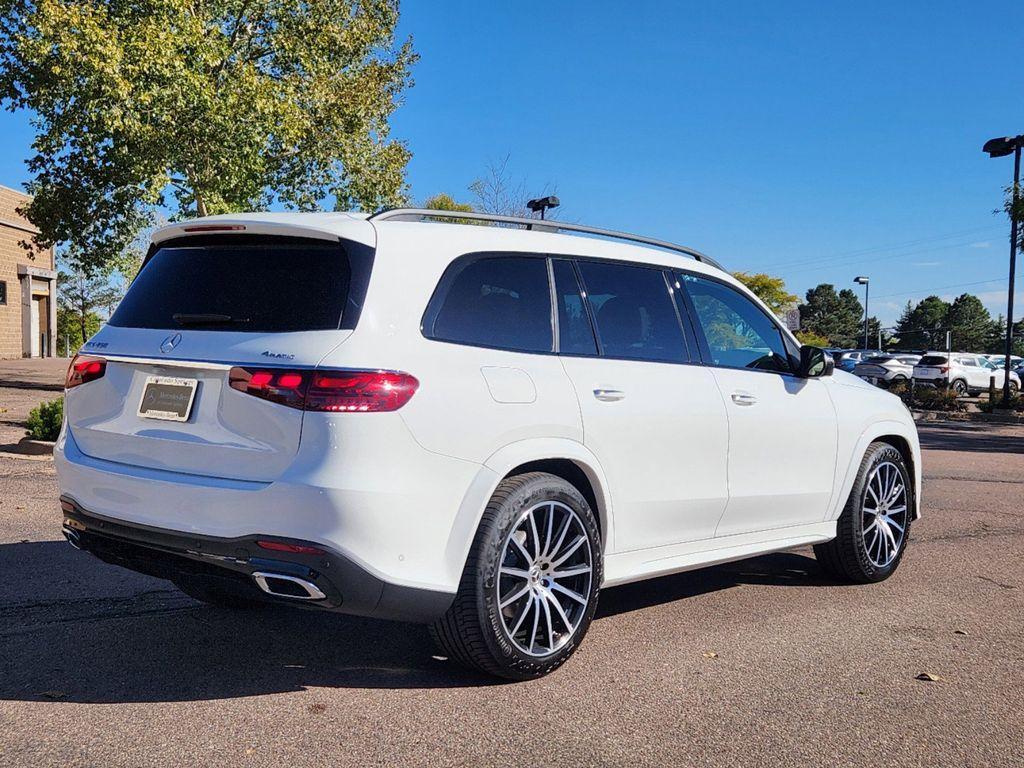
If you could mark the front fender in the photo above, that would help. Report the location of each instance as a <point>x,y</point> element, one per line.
<point>872,433</point>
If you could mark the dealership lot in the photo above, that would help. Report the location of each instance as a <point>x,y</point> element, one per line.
<point>757,662</point>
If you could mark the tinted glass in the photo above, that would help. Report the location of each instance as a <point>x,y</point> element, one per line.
<point>932,360</point>
<point>738,333</point>
<point>3,292</point>
<point>575,336</point>
<point>264,288</point>
<point>502,302</point>
<point>634,312</point>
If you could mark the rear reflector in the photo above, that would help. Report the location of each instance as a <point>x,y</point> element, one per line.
<point>332,391</point>
<point>83,369</point>
<point>297,549</point>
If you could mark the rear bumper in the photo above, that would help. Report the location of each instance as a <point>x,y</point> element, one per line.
<point>232,562</point>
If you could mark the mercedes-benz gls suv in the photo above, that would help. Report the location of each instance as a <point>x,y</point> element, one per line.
<point>474,427</point>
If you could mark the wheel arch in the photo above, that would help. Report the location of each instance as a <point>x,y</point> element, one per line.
<point>903,437</point>
<point>563,458</point>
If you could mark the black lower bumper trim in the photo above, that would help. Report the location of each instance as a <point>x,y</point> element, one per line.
<point>176,555</point>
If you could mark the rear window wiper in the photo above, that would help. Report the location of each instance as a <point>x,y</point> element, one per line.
<point>205,318</point>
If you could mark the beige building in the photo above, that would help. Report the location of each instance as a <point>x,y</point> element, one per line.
<point>28,285</point>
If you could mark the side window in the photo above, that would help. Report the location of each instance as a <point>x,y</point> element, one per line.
<point>738,333</point>
<point>3,292</point>
<point>634,312</point>
<point>500,301</point>
<point>575,335</point>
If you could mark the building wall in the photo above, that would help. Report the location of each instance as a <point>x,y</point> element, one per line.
<point>13,230</point>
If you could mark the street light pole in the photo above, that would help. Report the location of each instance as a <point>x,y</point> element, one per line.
<point>862,280</point>
<point>1001,148</point>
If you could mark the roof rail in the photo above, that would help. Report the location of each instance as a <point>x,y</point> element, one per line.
<point>542,225</point>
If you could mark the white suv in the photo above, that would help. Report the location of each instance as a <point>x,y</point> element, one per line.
<point>964,374</point>
<point>475,427</point>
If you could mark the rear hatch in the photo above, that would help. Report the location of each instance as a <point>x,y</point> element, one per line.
<point>198,309</point>
<point>932,367</point>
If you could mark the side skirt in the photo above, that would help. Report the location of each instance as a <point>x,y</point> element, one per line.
<point>625,567</point>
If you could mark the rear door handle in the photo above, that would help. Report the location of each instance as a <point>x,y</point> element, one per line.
<point>744,398</point>
<point>609,395</point>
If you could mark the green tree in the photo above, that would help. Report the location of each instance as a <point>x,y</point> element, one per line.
<point>201,108</point>
<point>811,339</point>
<point>82,289</point>
<point>838,317</point>
<point>924,326</point>
<point>771,290</point>
<point>970,323</point>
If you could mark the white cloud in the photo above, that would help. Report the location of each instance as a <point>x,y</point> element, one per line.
<point>982,244</point>
<point>926,264</point>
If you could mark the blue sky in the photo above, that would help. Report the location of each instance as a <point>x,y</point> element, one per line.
<point>816,141</point>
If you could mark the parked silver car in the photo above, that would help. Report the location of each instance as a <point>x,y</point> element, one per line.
<point>883,370</point>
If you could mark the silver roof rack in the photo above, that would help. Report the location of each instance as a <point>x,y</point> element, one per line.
<point>541,225</point>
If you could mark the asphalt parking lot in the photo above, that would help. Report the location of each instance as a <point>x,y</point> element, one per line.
<point>763,662</point>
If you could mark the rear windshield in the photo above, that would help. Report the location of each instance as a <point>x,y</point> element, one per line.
<point>267,287</point>
<point>932,360</point>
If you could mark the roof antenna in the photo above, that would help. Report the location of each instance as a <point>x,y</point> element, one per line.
<point>542,204</point>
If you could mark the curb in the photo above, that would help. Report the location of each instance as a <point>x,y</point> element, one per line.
<point>27,448</point>
<point>991,418</point>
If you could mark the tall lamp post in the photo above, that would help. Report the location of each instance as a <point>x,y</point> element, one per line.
<point>862,280</point>
<point>1002,147</point>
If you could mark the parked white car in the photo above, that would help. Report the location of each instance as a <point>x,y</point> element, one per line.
<point>886,369</point>
<point>999,361</point>
<point>475,427</point>
<point>964,374</point>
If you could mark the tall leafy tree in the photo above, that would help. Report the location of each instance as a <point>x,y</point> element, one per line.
<point>836,316</point>
<point>771,290</point>
<point>201,108</point>
<point>970,323</point>
<point>924,326</point>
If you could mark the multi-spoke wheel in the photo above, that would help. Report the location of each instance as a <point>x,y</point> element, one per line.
<point>530,586</point>
<point>871,534</point>
<point>884,514</point>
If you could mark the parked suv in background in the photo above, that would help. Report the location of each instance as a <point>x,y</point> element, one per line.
<point>964,374</point>
<point>999,361</point>
<point>475,427</point>
<point>886,369</point>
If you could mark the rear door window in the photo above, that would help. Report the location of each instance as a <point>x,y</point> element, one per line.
<point>493,301</point>
<point>633,312</point>
<point>281,284</point>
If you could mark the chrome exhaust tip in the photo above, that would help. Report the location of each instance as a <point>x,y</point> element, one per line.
<point>280,585</point>
<point>73,537</point>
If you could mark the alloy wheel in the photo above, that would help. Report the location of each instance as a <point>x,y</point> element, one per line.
<point>884,514</point>
<point>544,578</point>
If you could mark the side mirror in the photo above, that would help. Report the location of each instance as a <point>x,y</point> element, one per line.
<point>815,362</point>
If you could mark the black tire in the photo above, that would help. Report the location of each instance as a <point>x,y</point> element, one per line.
<point>473,631</point>
<point>1014,387</point>
<point>960,387</point>
<point>846,556</point>
<point>209,591</point>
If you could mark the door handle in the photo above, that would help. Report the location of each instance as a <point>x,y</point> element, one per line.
<point>609,395</point>
<point>744,398</point>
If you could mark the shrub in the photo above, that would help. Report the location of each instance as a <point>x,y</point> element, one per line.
<point>930,398</point>
<point>1016,403</point>
<point>45,419</point>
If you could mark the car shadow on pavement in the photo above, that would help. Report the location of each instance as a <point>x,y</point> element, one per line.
<point>75,629</point>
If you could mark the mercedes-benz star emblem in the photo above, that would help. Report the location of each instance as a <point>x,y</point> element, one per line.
<point>170,343</point>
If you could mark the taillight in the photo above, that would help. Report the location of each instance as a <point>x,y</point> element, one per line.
<point>83,369</point>
<point>332,391</point>
<point>943,369</point>
<point>296,549</point>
